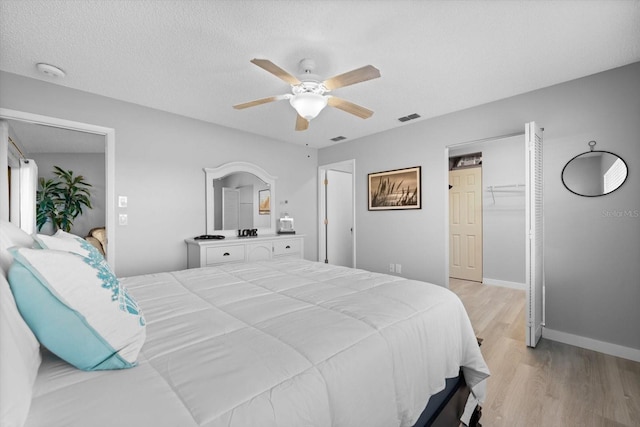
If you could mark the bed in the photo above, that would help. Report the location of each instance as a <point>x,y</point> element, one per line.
<point>272,343</point>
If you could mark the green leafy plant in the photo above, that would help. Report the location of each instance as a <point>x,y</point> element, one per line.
<point>61,199</point>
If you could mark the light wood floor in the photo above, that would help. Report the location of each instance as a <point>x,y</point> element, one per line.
<point>554,384</point>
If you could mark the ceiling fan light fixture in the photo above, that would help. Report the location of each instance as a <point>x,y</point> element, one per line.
<point>309,95</point>
<point>308,105</point>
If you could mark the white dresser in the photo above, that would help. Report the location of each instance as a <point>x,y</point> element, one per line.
<point>202,253</point>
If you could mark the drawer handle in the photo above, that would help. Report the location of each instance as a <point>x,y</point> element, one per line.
<point>226,254</point>
<point>287,247</point>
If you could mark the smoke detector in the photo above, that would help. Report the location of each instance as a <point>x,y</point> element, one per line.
<point>50,70</point>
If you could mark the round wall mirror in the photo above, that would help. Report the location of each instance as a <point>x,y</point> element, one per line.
<point>594,173</point>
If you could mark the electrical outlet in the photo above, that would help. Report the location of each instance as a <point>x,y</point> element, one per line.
<point>399,268</point>
<point>123,219</point>
<point>392,268</point>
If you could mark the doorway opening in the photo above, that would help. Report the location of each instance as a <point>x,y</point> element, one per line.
<point>336,211</point>
<point>511,231</point>
<point>487,211</point>
<point>108,135</point>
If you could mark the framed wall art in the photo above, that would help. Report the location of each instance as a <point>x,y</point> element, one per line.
<point>264,201</point>
<point>395,189</point>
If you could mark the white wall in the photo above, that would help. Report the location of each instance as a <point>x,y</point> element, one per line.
<point>159,162</point>
<point>92,167</point>
<point>503,216</point>
<point>592,247</point>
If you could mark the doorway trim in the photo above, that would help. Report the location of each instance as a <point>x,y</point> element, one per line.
<point>343,166</point>
<point>110,156</point>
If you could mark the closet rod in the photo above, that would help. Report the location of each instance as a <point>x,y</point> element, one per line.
<point>491,187</point>
<point>491,138</point>
<point>18,149</point>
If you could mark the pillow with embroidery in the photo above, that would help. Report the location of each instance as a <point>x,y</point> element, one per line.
<point>77,308</point>
<point>64,241</point>
<point>11,235</point>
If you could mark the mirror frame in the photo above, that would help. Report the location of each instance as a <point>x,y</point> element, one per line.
<point>593,195</point>
<point>224,170</point>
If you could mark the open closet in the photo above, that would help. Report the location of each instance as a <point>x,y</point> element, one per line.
<point>487,211</point>
<point>503,201</point>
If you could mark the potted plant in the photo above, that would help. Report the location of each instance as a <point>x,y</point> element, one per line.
<point>61,199</point>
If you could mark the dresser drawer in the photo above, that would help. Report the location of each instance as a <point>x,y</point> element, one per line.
<point>286,246</point>
<point>223,254</point>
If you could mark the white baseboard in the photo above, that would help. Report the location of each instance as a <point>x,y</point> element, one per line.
<point>503,283</point>
<point>591,344</point>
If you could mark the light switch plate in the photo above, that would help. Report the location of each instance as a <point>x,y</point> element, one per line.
<point>122,201</point>
<point>123,219</point>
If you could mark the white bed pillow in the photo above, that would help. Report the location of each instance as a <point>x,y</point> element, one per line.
<point>11,235</point>
<point>64,241</point>
<point>77,308</point>
<point>19,361</point>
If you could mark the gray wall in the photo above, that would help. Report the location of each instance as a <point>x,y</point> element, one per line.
<point>89,165</point>
<point>159,161</point>
<point>592,245</point>
<point>503,216</point>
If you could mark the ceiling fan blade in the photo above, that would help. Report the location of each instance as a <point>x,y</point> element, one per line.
<point>259,102</point>
<point>302,123</point>
<point>362,74</point>
<point>349,107</point>
<point>269,66</point>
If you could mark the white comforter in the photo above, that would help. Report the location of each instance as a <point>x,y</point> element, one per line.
<point>276,343</point>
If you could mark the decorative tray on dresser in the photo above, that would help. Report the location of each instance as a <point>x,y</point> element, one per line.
<point>208,252</point>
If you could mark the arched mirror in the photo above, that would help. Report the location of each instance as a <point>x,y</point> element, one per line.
<point>239,196</point>
<point>594,173</point>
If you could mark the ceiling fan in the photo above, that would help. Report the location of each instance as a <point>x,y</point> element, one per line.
<point>309,95</point>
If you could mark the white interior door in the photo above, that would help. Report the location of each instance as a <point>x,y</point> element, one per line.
<point>245,207</point>
<point>465,224</point>
<point>534,268</point>
<point>339,210</point>
<point>4,165</point>
<point>336,213</point>
<point>230,208</point>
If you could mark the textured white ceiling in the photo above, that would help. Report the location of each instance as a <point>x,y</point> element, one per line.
<point>435,57</point>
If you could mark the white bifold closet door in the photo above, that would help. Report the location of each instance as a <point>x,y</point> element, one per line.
<point>534,270</point>
<point>26,193</point>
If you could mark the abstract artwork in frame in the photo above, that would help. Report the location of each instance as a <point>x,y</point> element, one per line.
<point>395,189</point>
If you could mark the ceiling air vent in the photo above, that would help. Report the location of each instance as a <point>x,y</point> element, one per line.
<point>409,117</point>
<point>338,138</point>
